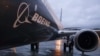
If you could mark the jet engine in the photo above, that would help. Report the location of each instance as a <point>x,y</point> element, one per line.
<point>86,40</point>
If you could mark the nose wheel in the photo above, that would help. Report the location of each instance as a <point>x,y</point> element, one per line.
<point>35,47</point>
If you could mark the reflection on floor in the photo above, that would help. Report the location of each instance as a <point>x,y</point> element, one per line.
<point>52,48</point>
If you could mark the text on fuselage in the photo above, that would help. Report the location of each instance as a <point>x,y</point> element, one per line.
<point>41,20</point>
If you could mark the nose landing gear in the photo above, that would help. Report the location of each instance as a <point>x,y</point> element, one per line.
<point>35,47</point>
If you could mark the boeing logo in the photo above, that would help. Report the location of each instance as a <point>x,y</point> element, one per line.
<point>20,14</point>
<point>36,17</point>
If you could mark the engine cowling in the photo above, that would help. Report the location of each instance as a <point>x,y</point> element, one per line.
<point>86,40</point>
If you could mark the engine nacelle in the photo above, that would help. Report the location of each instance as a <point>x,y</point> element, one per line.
<point>86,40</point>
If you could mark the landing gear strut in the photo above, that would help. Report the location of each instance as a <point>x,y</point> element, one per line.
<point>82,52</point>
<point>70,47</point>
<point>65,46</point>
<point>68,43</point>
<point>35,47</point>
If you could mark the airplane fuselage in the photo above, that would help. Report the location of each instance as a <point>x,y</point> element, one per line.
<point>25,21</point>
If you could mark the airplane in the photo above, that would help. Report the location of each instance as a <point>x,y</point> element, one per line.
<point>32,21</point>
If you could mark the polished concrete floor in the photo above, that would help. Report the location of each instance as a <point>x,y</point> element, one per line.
<point>51,48</point>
